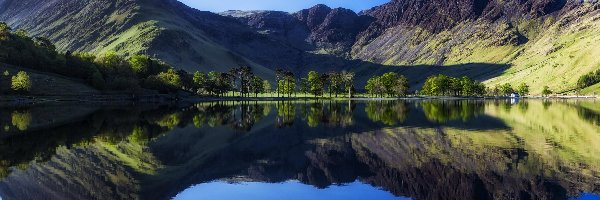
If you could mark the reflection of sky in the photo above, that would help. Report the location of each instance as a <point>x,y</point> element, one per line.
<point>291,190</point>
<point>588,197</point>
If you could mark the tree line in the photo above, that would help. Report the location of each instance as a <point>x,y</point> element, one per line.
<point>114,72</point>
<point>389,84</point>
<point>442,85</point>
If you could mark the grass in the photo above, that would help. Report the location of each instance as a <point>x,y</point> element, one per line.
<point>593,90</point>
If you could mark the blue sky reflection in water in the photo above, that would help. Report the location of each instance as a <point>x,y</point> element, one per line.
<point>290,190</point>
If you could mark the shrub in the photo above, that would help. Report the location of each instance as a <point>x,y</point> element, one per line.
<point>21,82</point>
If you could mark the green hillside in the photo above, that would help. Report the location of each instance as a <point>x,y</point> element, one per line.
<point>553,50</point>
<point>540,43</point>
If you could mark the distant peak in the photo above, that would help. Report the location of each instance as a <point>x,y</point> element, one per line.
<point>320,7</point>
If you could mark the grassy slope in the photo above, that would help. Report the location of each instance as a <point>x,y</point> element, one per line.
<point>592,90</point>
<point>47,83</point>
<point>558,57</point>
<point>176,40</point>
<point>558,50</point>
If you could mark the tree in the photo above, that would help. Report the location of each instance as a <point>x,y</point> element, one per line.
<point>315,83</point>
<point>4,31</point>
<point>375,86</point>
<point>21,82</point>
<point>446,85</point>
<point>267,86</point>
<point>506,89</point>
<point>286,86</point>
<point>523,89</point>
<point>23,34</point>
<point>144,66</point>
<point>589,79</point>
<point>256,85</point>
<point>335,83</point>
<point>401,87</point>
<point>200,80</point>
<point>45,43</point>
<point>279,73</point>
<point>304,86</point>
<point>546,91</point>
<point>348,82</point>
<point>165,81</point>
<point>389,80</point>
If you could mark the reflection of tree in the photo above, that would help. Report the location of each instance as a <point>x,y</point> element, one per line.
<point>110,127</point>
<point>589,115</point>
<point>249,115</point>
<point>286,112</point>
<point>170,121</point>
<point>21,119</point>
<point>444,111</point>
<point>387,112</point>
<point>239,116</point>
<point>523,106</point>
<point>340,114</point>
<point>315,114</point>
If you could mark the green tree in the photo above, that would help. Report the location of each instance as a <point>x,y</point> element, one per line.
<point>589,79</point>
<point>144,66</point>
<point>335,83</point>
<point>523,89</point>
<point>315,82</point>
<point>165,81</point>
<point>506,89</point>
<point>287,86</point>
<point>23,34</point>
<point>256,85</point>
<point>304,86</point>
<point>401,87</point>
<point>389,80</point>
<point>21,82</point>
<point>546,91</point>
<point>4,31</point>
<point>267,86</point>
<point>200,80</point>
<point>375,86</point>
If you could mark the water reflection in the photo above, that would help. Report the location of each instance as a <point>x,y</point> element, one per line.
<point>418,149</point>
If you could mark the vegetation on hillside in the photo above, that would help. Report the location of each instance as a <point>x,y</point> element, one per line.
<point>589,79</point>
<point>108,71</point>
<point>442,85</point>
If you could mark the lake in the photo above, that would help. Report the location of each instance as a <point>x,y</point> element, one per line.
<point>413,149</point>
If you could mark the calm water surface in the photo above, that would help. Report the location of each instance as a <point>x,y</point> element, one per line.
<point>343,150</point>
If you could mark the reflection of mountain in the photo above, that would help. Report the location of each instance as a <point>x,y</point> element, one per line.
<point>529,151</point>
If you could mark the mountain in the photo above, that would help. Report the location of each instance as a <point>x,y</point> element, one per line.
<point>538,42</point>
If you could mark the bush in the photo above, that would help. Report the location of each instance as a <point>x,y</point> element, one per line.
<point>546,91</point>
<point>589,79</point>
<point>21,82</point>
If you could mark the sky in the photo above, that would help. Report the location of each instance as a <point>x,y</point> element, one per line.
<point>279,5</point>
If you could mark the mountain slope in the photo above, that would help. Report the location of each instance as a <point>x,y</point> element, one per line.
<point>546,42</point>
<point>543,42</point>
<point>182,36</point>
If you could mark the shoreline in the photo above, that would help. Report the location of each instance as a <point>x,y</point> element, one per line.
<point>109,99</point>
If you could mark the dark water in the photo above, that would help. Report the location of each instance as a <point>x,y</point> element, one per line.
<point>303,150</point>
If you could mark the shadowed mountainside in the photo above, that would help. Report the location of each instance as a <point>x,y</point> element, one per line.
<point>544,42</point>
